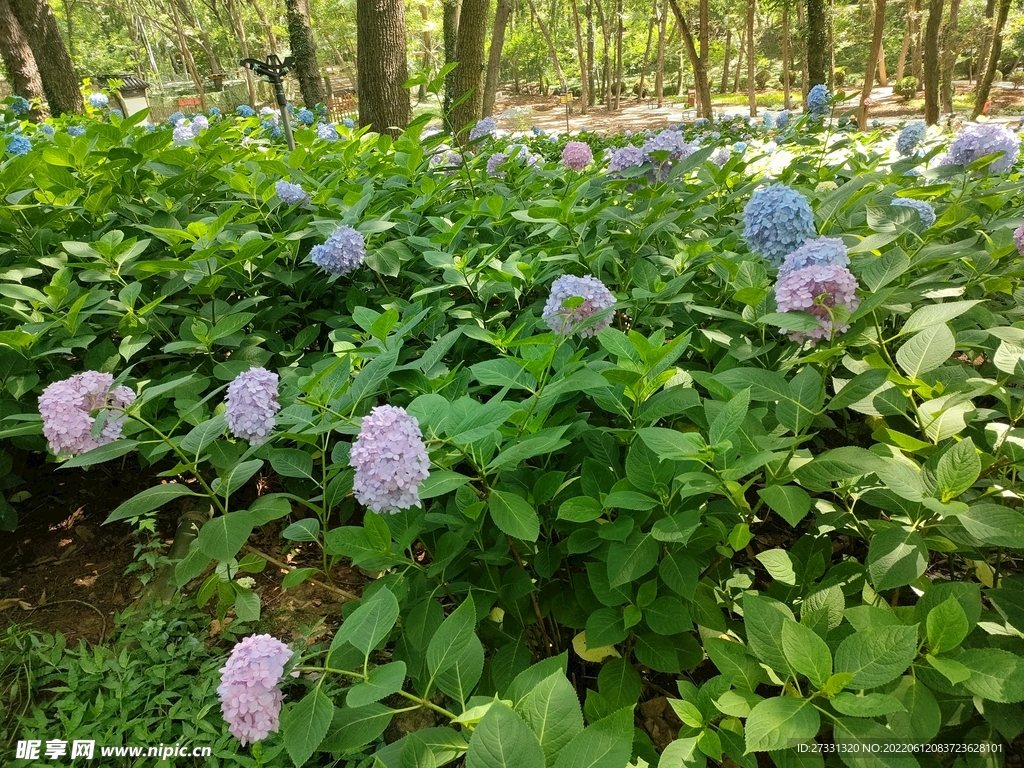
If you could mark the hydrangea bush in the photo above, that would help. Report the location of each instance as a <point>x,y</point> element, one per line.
<point>762,461</point>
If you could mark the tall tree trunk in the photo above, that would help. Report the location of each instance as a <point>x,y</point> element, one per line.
<point>739,60</point>
<point>986,36</point>
<point>883,75</point>
<point>428,56</point>
<point>802,39</point>
<point>869,79</point>
<point>192,18</point>
<point>60,83</point>
<point>751,92</point>
<point>651,22</point>
<point>831,10</point>
<point>996,48</point>
<point>552,51</point>
<point>238,27</point>
<point>469,74</point>
<point>901,62</point>
<point>267,28</point>
<point>931,62</point>
<point>186,56</point>
<point>17,56</point>
<point>451,10</point>
<point>704,36</point>
<point>383,68</point>
<point>591,90</point>
<point>69,22</point>
<point>584,91</point>
<point>916,60</point>
<point>501,15</point>
<point>300,34</point>
<point>787,98</point>
<point>618,55</point>
<point>817,43</point>
<point>949,56</point>
<point>725,66</point>
<point>606,85</point>
<point>700,75</point>
<point>659,72</point>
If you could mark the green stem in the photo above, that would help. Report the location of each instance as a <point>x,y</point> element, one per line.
<point>404,694</point>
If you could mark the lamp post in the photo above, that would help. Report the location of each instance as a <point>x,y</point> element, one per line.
<point>274,70</point>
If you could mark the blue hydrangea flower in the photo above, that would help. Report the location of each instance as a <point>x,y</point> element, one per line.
<point>19,105</point>
<point>390,459</point>
<point>976,140</point>
<point>782,120</point>
<point>199,124</point>
<point>816,252</point>
<point>305,116</point>
<point>910,137</point>
<point>700,122</point>
<point>494,162</point>
<point>214,111</point>
<point>244,110</point>
<point>175,118</point>
<point>739,147</point>
<point>343,252</point>
<point>18,145</point>
<point>721,157</point>
<point>769,121</point>
<point>291,194</point>
<point>818,100</point>
<point>264,111</point>
<point>536,131</point>
<point>98,100</point>
<point>625,157</point>
<point>818,290</point>
<point>118,112</point>
<point>669,141</point>
<point>924,209</point>
<point>349,123</point>
<point>483,128</point>
<point>777,220</point>
<point>183,132</point>
<point>75,130</point>
<point>327,131</point>
<point>321,109</point>
<point>47,129</point>
<point>563,319</point>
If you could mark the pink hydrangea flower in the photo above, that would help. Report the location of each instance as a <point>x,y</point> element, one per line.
<point>577,155</point>
<point>390,460</point>
<point>252,403</point>
<point>564,319</point>
<point>249,697</point>
<point>817,290</point>
<point>70,408</point>
<point>1018,239</point>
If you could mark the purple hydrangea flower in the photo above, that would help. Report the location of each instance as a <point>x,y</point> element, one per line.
<point>817,252</point>
<point>483,128</point>
<point>183,132</point>
<point>19,105</point>
<point>70,408</point>
<point>342,252</point>
<point>976,140</point>
<point>565,320</point>
<point>199,124</point>
<point>721,157</point>
<point>625,157</point>
<point>75,130</point>
<point>1018,239</point>
<point>264,111</point>
<point>924,209</point>
<point>251,405</point>
<point>777,222</point>
<point>249,697</point>
<point>577,155</point>
<point>305,116</point>
<point>910,137</point>
<point>817,290</point>
<point>445,157</point>
<point>19,145</point>
<point>669,141</point>
<point>291,194</point>
<point>817,100</point>
<point>244,110</point>
<point>98,100</point>
<point>327,131</point>
<point>495,161</point>
<point>390,460</point>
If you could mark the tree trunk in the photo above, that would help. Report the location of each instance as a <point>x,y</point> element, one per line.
<point>986,36</point>
<point>17,56</point>
<point>267,28</point>
<point>584,91</point>
<point>451,10</point>
<point>186,56</point>
<point>931,62</point>
<point>552,51</point>
<point>830,8</point>
<point>383,69</point>
<point>59,81</point>
<point>996,48</point>
<point>751,92</point>
<point>501,15</point>
<point>804,77</point>
<point>700,75</point>
<point>203,39</point>
<point>238,27</point>
<point>428,45</point>
<point>725,65</point>
<point>651,22</point>
<point>591,90</point>
<point>787,98</point>
<point>469,74</point>
<point>704,36</point>
<point>869,70</point>
<point>739,60</point>
<point>606,85</point>
<point>300,34</point>
<point>883,75</point>
<point>817,43</point>
<point>659,72</point>
<point>901,62</point>
<point>618,55</point>
<point>916,64</point>
<point>949,56</point>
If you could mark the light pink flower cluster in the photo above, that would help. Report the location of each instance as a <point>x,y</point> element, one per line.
<point>817,290</point>
<point>249,697</point>
<point>595,297</point>
<point>70,408</point>
<point>577,155</point>
<point>252,403</point>
<point>390,460</point>
<point>1018,239</point>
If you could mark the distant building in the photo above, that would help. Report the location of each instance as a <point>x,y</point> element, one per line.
<point>131,95</point>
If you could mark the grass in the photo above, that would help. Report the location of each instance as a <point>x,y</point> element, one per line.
<point>767,99</point>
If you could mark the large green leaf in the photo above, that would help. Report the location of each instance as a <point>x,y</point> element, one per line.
<point>223,537</point>
<point>806,653</point>
<point>552,711</point>
<point>514,515</point>
<point>779,722</point>
<point>305,725</point>
<point>608,743</point>
<point>370,623</point>
<point>896,557</point>
<point>947,625</point>
<point>452,637</point>
<point>148,500</point>
<point>926,350</point>
<point>503,740</point>
<point>877,656</point>
<point>630,559</point>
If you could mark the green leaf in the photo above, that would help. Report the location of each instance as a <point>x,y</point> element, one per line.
<point>868,705</point>
<point>459,679</point>
<point>877,656</point>
<point>790,502</point>
<point>608,743</point>
<point>764,619</point>
<point>839,464</point>
<point>504,373</point>
<point>440,482</point>
<point>503,740</point>
<point>552,711</point>
<point>514,515</point>
<point>780,721</point>
<point>381,682</point>
<point>934,314</point>
<point>630,559</point>
<point>926,350</point>
<point>947,625</point>
<point>247,605</point>
<point>667,616</point>
<point>452,637</point>
<point>735,662</point>
<point>580,509</point>
<point>677,528</point>
<point>896,557</point>
<point>605,626</point>
<point>518,452</point>
<point>370,623</point>
<point>291,462</point>
<point>670,444</point>
<point>958,469</point>
<point>952,670</point>
<point>202,435</point>
<point>223,536</point>
<point>995,525</point>
<point>148,500</point>
<point>996,675</point>
<point>779,565</point>
<point>806,652</point>
<point>235,477</point>
<point>354,728</point>
<point>861,742</point>
<point>100,454</point>
<point>305,725</point>
<point>529,678</point>
<point>729,419</point>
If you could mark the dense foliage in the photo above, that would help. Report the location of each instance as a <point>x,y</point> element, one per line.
<point>797,539</point>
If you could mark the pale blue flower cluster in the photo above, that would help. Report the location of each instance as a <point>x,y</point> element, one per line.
<point>721,157</point>
<point>910,137</point>
<point>390,459</point>
<point>98,100</point>
<point>75,130</point>
<point>18,145</point>
<point>47,129</point>
<point>349,123</point>
<point>327,131</point>
<point>769,120</point>
<point>777,220</point>
<point>175,118</point>
<point>214,111</point>
<point>782,120</point>
<point>563,319</point>
<point>818,99</point>
<point>976,140</point>
<point>629,156</point>
<point>118,112</point>
<point>925,211</point>
<point>19,105</point>
<point>244,110</point>
<point>305,116</point>
<point>250,699</point>
<point>483,128</point>
<point>816,252</point>
<point>251,405</point>
<point>291,194</point>
<point>343,251</point>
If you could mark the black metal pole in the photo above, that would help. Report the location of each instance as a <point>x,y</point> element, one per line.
<point>286,123</point>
